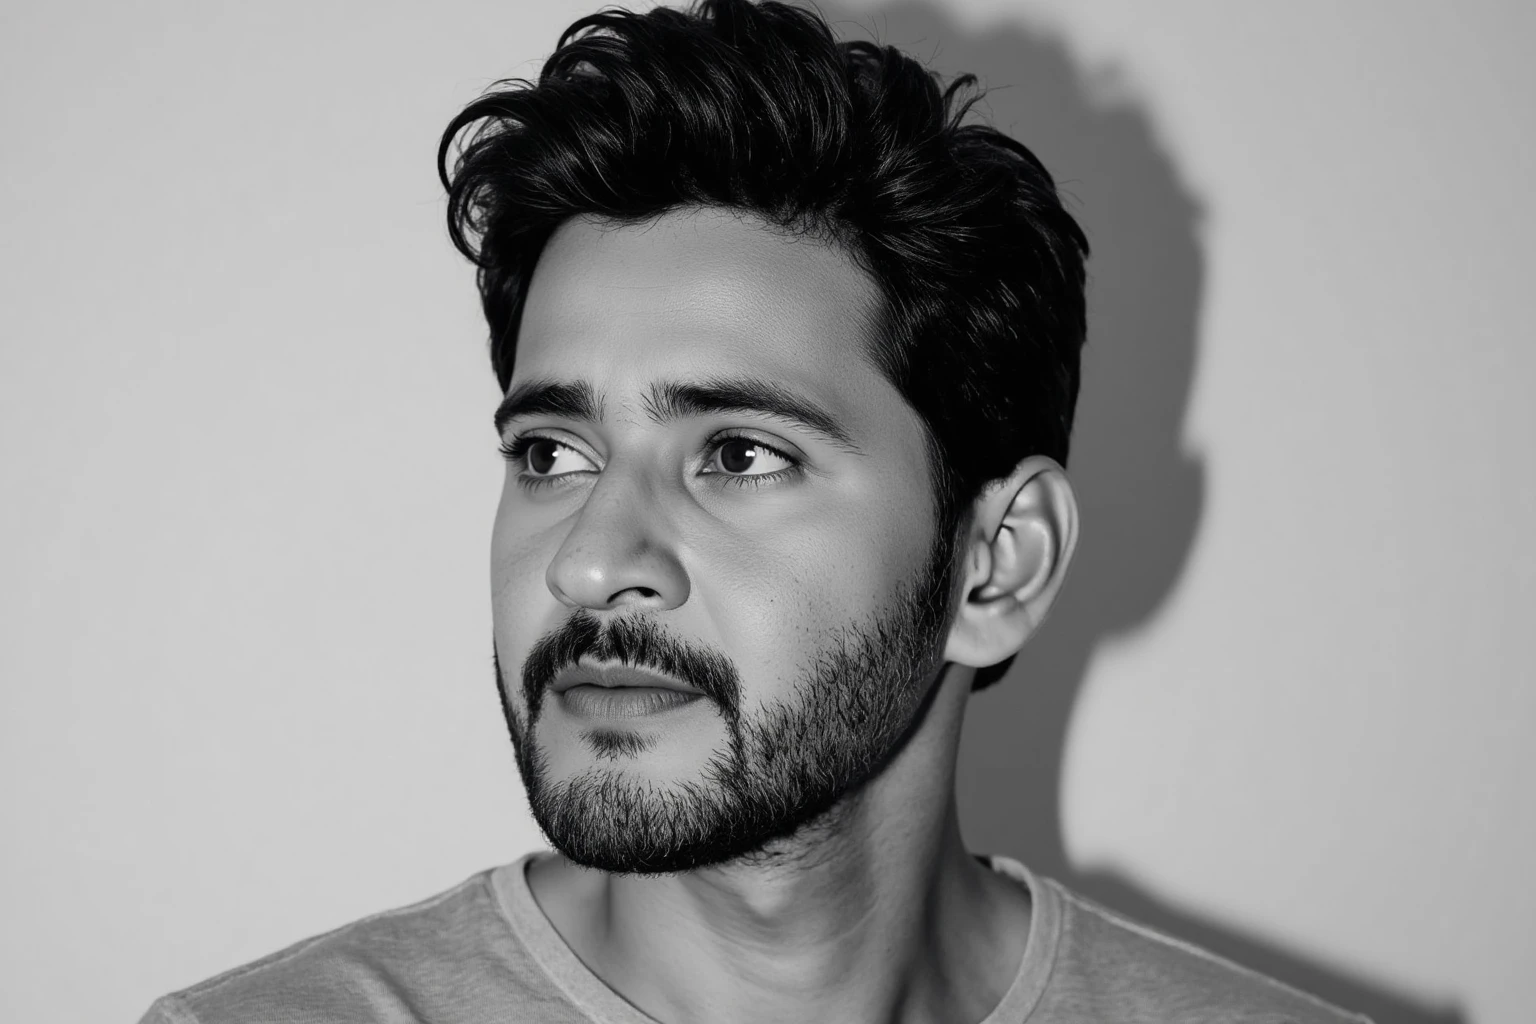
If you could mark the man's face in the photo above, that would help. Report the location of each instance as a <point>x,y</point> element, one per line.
<point>718,597</point>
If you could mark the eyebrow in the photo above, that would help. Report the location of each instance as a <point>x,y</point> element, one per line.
<point>573,400</point>
<point>672,399</point>
<point>676,399</point>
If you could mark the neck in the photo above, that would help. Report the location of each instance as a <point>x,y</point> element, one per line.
<point>876,913</point>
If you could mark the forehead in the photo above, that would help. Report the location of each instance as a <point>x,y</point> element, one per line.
<point>699,292</point>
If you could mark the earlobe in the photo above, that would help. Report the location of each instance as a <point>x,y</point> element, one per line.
<point>1023,534</point>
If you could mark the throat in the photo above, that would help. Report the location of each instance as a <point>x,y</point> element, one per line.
<point>744,945</point>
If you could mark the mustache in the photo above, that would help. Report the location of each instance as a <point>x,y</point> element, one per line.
<point>631,641</point>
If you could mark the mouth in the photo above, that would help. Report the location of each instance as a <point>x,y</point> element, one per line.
<point>619,691</point>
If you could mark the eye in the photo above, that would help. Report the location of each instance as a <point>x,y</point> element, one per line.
<point>545,457</point>
<point>742,456</point>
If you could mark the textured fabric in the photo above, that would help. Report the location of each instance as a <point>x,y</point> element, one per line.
<point>484,952</point>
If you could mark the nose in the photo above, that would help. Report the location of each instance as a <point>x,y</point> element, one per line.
<point>619,552</point>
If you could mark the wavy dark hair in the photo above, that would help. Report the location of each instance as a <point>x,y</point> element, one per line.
<point>756,107</point>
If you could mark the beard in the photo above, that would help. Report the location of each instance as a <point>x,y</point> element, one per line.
<point>783,770</point>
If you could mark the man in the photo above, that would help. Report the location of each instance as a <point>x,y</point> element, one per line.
<point>789,355</point>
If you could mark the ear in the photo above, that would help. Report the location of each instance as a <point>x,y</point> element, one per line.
<point>1019,541</point>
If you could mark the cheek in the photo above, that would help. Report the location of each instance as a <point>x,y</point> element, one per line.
<point>522,607</point>
<point>780,595</point>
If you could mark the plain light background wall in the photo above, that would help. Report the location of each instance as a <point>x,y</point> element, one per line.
<point>248,477</point>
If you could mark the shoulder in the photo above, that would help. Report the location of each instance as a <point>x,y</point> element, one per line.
<point>428,961</point>
<point>1109,967</point>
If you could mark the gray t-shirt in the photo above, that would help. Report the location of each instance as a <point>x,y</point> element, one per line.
<point>484,953</point>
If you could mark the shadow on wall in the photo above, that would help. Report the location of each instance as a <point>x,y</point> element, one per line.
<point>1141,490</point>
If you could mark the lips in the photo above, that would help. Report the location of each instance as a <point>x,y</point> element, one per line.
<point>619,691</point>
<point>626,662</point>
<point>616,676</point>
<point>614,703</point>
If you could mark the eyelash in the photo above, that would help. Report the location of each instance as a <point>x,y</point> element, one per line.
<point>516,450</point>
<point>753,479</point>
